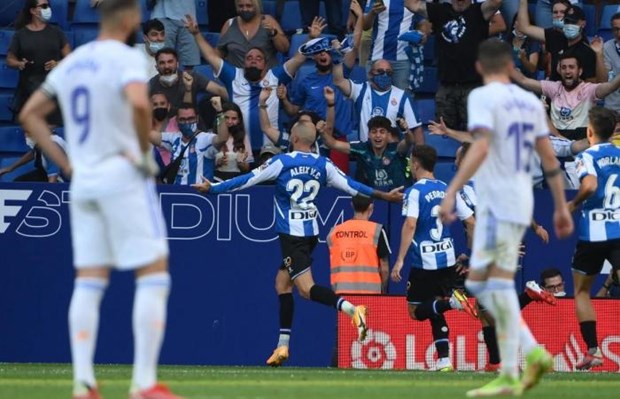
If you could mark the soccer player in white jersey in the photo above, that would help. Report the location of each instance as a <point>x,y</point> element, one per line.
<point>599,226</point>
<point>299,176</point>
<point>506,131</point>
<point>115,218</point>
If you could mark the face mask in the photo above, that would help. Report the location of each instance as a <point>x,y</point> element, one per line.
<point>187,129</point>
<point>160,114</point>
<point>154,47</point>
<point>571,31</point>
<point>383,81</point>
<point>46,14</point>
<point>323,68</point>
<point>30,142</point>
<point>518,34</point>
<point>558,23</point>
<point>247,16</point>
<point>559,294</point>
<point>253,74</point>
<point>169,80</point>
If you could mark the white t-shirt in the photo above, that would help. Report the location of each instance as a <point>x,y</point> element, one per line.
<point>151,64</point>
<point>99,129</point>
<point>516,119</point>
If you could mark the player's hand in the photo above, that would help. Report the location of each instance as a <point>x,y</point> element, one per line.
<point>438,128</point>
<point>316,27</point>
<point>395,195</point>
<point>329,94</point>
<point>188,81</point>
<point>378,7</point>
<point>398,266</point>
<point>203,187</point>
<point>563,222</point>
<point>191,25</point>
<point>542,234</point>
<point>462,267</point>
<point>145,164</point>
<point>264,95</point>
<point>446,212</point>
<point>281,92</point>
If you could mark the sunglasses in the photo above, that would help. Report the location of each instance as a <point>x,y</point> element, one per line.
<point>382,71</point>
<point>44,6</point>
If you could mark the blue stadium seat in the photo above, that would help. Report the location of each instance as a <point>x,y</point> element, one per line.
<point>346,5</point>
<point>300,38</point>
<point>8,76</point>
<point>84,13</point>
<point>358,74</point>
<point>5,40</point>
<point>12,140</point>
<point>60,13</point>
<point>445,146</point>
<point>606,34</point>
<point>291,20</point>
<point>269,7</point>
<point>445,170</point>
<point>212,38</point>
<point>6,103</point>
<point>608,12</point>
<point>426,110</point>
<point>430,83</point>
<point>84,33</point>
<point>205,70</point>
<point>591,23</point>
<point>9,11</point>
<point>201,13</point>
<point>429,50</point>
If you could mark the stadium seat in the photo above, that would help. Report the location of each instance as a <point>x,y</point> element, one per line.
<point>6,103</point>
<point>606,34</point>
<point>5,40</point>
<point>430,83</point>
<point>426,110</point>
<point>346,5</point>
<point>205,70</point>
<point>84,34</point>
<point>84,13</point>
<point>445,146</point>
<point>445,170</point>
<point>9,160</point>
<point>60,13</point>
<point>9,11</point>
<point>300,38</point>
<point>291,20</point>
<point>8,76</point>
<point>591,23</point>
<point>201,13</point>
<point>212,38</point>
<point>12,140</point>
<point>358,74</point>
<point>269,7</point>
<point>608,12</point>
<point>429,51</point>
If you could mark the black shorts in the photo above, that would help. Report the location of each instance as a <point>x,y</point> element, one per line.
<point>429,284</point>
<point>296,253</point>
<point>589,257</point>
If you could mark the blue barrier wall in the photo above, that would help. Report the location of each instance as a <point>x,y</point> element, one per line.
<point>224,256</point>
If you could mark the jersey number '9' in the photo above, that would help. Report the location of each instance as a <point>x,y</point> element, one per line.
<point>80,110</point>
<point>520,131</point>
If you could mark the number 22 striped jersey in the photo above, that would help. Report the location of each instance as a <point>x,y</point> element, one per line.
<point>299,177</point>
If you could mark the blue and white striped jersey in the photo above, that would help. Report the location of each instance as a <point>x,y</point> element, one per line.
<point>390,24</point>
<point>194,162</point>
<point>600,217</point>
<point>468,195</point>
<point>432,247</point>
<point>299,177</point>
<point>246,94</point>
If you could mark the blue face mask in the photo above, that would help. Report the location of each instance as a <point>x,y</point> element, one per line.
<point>558,23</point>
<point>187,129</point>
<point>383,81</point>
<point>154,47</point>
<point>571,31</point>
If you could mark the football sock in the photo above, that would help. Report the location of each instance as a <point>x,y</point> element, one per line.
<point>490,340</point>
<point>345,306</point>
<point>149,324</point>
<point>323,295</point>
<point>588,333</point>
<point>440,335</point>
<point>287,306</point>
<point>83,325</point>
<point>431,308</point>
<point>502,297</point>
<point>524,300</point>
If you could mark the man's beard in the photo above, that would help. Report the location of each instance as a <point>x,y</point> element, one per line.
<point>323,68</point>
<point>572,85</point>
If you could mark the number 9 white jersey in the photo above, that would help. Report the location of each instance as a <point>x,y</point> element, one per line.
<point>516,119</point>
<point>89,86</point>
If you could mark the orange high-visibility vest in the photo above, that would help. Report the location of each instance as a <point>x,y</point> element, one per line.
<point>353,257</point>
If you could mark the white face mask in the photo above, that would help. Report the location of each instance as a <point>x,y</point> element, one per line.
<point>30,142</point>
<point>154,47</point>
<point>559,294</point>
<point>46,14</point>
<point>169,80</point>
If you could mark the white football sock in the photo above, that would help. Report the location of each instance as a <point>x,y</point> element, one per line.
<point>284,340</point>
<point>346,307</point>
<point>149,324</point>
<point>83,325</point>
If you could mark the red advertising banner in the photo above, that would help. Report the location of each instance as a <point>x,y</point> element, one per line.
<point>396,342</point>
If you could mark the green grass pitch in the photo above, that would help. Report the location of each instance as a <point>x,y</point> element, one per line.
<point>53,381</point>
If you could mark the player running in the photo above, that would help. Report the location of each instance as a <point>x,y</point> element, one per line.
<point>506,131</point>
<point>299,176</point>
<point>115,217</point>
<point>599,227</point>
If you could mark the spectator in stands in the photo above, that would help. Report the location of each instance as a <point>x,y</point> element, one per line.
<point>611,286</point>
<point>188,147</point>
<point>550,13</point>
<point>378,97</point>
<point>219,12</point>
<point>525,51</point>
<point>162,122</point>
<point>389,19</point>
<point>35,49</point>
<point>571,39</point>
<point>333,8</point>
<point>611,52</point>
<point>172,14</point>
<point>235,155</point>
<point>251,29</point>
<point>154,35</point>
<point>243,84</point>
<point>459,28</point>
<point>44,169</point>
<point>571,98</point>
<point>552,281</point>
<point>267,152</point>
<point>180,87</point>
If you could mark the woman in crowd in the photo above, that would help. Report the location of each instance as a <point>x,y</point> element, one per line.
<point>234,157</point>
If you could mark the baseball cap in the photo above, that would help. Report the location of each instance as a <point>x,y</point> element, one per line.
<point>574,15</point>
<point>269,149</point>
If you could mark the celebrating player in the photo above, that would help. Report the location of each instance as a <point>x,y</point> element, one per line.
<point>506,130</point>
<point>299,176</point>
<point>102,92</point>
<point>599,230</point>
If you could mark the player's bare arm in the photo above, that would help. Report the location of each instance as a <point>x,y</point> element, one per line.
<point>588,187</point>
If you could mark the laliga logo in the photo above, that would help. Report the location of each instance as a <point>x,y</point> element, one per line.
<point>376,352</point>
